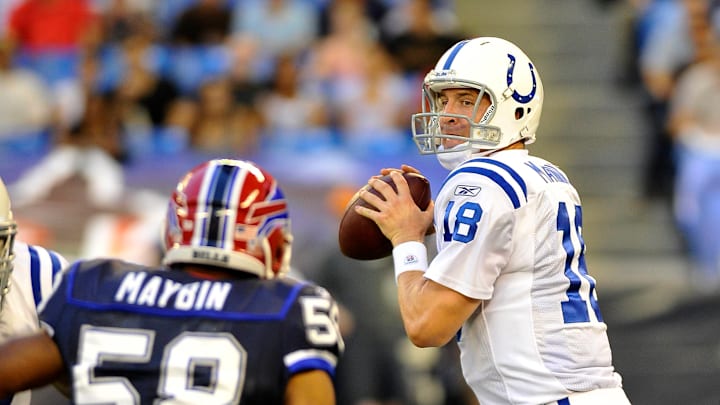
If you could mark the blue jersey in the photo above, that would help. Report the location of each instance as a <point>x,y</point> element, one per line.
<point>138,335</point>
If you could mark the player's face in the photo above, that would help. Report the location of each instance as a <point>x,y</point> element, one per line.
<point>459,101</point>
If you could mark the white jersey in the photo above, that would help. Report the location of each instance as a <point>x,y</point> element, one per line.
<point>509,233</point>
<point>31,281</point>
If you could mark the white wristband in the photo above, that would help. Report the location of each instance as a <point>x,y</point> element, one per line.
<point>409,256</point>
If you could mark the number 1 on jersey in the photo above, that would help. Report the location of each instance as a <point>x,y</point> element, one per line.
<point>582,285</point>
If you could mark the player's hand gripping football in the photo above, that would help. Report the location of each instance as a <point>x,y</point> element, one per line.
<point>398,217</point>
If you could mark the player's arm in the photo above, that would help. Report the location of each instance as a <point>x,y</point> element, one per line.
<point>312,347</point>
<point>432,314</point>
<point>310,388</point>
<point>29,362</point>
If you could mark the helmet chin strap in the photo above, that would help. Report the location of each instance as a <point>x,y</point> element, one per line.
<point>453,157</point>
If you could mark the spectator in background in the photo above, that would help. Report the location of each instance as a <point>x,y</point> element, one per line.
<point>197,44</point>
<point>372,108</point>
<point>669,44</point>
<point>147,99</point>
<point>374,11</point>
<point>5,7</point>
<point>165,14</point>
<point>416,33</point>
<point>341,54</point>
<point>142,84</point>
<point>695,126</point>
<point>24,103</point>
<point>205,22</point>
<point>47,25</point>
<point>122,18</point>
<point>93,149</point>
<point>246,83</point>
<point>293,115</point>
<point>276,27</point>
<point>50,37</point>
<point>216,125</point>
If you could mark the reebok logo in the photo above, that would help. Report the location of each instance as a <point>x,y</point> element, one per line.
<point>467,191</point>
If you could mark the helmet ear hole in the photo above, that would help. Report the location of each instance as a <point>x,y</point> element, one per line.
<point>277,251</point>
<point>519,113</point>
<point>278,255</point>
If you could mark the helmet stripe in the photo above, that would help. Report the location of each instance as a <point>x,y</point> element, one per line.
<point>199,232</point>
<point>218,180</point>
<point>220,189</point>
<point>453,54</point>
<point>236,187</point>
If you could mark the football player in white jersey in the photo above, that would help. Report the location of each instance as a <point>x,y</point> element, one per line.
<point>26,277</point>
<point>510,281</point>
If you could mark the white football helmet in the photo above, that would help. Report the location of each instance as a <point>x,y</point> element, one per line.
<point>232,214</point>
<point>8,229</point>
<point>497,68</point>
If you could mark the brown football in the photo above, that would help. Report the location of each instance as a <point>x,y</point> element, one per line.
<point>359,237</point>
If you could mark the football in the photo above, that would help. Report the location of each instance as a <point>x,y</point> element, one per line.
<point>359,237</point>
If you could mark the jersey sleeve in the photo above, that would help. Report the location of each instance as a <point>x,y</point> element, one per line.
<point>45,265</point>
<point>312,335</point>
<point>30,282</point>
<point>53,308</point>
<point>475,221</point>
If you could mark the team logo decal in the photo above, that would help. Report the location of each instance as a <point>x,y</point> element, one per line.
<point>517,96</point>
<point>467,191</point>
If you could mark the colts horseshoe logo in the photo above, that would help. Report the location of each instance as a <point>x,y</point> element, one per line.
<point>517,96</point>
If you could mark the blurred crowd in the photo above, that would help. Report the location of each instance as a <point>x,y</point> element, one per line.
<point>133,77</point>
<point>676,62</point>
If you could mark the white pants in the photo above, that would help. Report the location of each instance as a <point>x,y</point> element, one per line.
<point>604,396</point>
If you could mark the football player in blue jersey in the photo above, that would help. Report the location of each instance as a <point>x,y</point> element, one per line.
<point>510,281</point>
<point>218,323</point>
<point>26,276</point>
